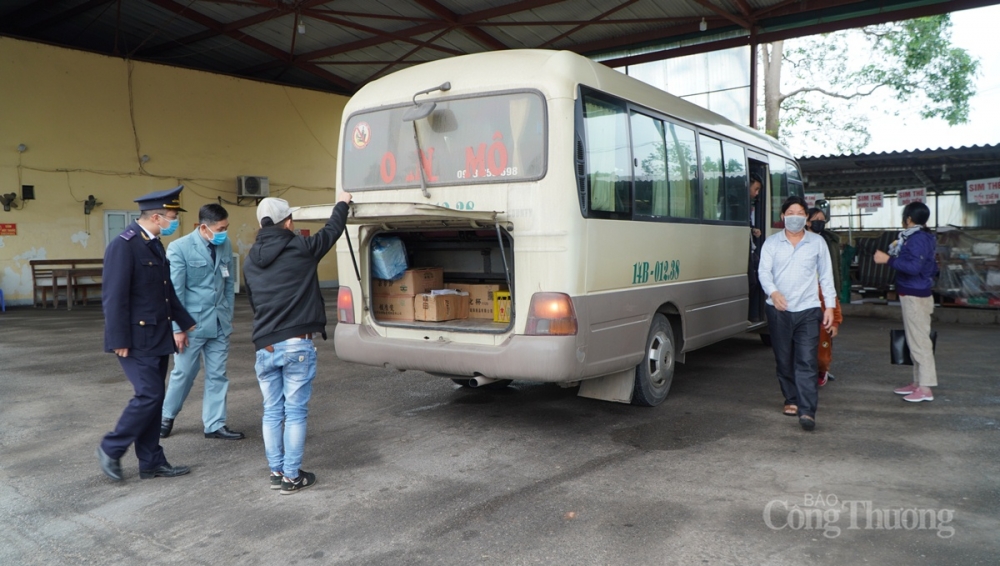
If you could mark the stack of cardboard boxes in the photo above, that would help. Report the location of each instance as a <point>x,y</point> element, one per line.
<point>421,294</point>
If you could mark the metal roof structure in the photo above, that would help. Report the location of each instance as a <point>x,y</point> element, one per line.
<point>937,170</point>
<point>339,45</point>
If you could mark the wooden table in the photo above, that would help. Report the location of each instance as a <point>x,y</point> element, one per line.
<point>70,275</point>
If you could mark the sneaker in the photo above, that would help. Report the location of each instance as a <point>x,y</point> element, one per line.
<point>276,480</point>
<point>907,389</point>
<point>822,378</point>
<point>918,396</point>
<point>289,486</point>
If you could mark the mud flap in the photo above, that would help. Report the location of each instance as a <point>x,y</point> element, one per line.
<point>615,387</point>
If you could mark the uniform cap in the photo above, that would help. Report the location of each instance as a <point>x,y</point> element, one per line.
<point>168,199</point>
<point>276,209</point>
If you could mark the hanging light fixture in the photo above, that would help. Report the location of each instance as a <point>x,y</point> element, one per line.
<point>945,175</point>
<point>302,27</point>
<point>703,25</point>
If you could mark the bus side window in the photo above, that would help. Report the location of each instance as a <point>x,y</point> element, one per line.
<point>608,156</point>
<point>682,171</point>
<point>651,191</point>
<point>737,204</point>
<point>795,185</point>
<point>711,171</point>
<point>779,189</point>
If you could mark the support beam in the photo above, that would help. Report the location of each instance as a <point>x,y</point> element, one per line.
<point>453,19</point>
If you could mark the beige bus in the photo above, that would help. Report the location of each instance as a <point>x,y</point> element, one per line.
<point>617,216</point>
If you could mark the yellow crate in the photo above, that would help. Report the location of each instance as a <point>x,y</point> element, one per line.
<point>501,306</point>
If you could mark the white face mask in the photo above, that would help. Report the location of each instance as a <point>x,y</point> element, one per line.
<point>795,224</point>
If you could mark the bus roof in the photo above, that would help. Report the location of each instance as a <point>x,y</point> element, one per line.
<point>556,74</point>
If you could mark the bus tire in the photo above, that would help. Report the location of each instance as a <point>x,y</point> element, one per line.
<point>766,339</point>
<point>655,373</point>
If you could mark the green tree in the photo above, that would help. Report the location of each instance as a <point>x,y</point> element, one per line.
<point>829,75</point>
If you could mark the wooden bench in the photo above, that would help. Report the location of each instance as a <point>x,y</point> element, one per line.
<point>74,275</point>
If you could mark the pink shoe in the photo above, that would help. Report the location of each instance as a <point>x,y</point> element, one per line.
<point>906,390</point>
<point>918,396</point>
<point>822,378</point>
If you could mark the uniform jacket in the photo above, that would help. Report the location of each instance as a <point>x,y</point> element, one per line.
<point>915,265</point>
<point>138,298</point>
<point>281,281</point>
<point>205,289</point>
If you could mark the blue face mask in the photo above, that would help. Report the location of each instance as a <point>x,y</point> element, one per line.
<point>218,238</point>
<point>170,229</point>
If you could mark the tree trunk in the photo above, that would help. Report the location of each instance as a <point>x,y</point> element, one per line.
<point>772,87</point>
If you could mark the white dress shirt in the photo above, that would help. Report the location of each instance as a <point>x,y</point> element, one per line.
<point>793,270</point>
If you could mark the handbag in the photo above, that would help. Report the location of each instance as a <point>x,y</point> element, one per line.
<point>899,350</point>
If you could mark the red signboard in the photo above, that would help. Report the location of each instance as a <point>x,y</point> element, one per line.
<point>8,229</point>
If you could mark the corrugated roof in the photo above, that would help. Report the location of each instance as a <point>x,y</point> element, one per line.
<point>348,42</point>
<point>938,170</point>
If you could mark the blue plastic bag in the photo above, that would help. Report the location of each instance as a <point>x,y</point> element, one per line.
<point>388,258</point>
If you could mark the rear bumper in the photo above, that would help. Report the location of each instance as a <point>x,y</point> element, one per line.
<point>533,358</point>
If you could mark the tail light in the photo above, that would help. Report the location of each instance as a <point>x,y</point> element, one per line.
<point>551,314</point>
<point>345,305</point>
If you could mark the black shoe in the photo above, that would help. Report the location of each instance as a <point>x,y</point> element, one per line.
<point>112,467</point>
<point>289,486</point>
<point>808,423</point>
<point>166,425</point>
<point>164,471</point>
<point>276,478</point>
<point>225,434</point>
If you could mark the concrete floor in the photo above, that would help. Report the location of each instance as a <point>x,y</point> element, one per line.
<point>413,470</point>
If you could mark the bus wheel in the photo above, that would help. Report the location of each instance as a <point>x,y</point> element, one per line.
<point>655,373</point>
<point>766,339</point>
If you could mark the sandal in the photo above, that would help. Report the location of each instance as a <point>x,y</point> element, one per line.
<point>790,411</point>
<point>807,423</point>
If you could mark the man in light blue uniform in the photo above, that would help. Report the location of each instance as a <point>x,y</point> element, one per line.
<point>202,272</point>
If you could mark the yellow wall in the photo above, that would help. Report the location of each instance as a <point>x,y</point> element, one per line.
<point>72,111</point>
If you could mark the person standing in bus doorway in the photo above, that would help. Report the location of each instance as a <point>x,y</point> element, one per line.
<point>756,240</point>
<point>790,262</point>
<point>817,225</point>
<point>140,304</point>
<point>201,270</point>
<point>288,311</point>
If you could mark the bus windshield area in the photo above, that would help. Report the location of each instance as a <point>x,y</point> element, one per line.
<point>496,138</point>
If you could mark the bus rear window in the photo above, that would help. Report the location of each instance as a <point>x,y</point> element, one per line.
<point>497,138</point>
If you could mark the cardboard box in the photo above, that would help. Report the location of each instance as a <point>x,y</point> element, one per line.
<point>480,298</point>
<point>501,306</point>
<point>393,307</point>
<point>437,308</point>
<point>413,282</point>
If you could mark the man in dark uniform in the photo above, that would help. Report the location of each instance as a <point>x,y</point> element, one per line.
<point>139,306</point>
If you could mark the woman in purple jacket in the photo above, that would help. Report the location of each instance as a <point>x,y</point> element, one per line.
<point>912,256</point>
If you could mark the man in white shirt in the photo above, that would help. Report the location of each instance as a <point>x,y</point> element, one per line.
<point>790,263</point>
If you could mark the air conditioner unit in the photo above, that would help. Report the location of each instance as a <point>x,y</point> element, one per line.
<point>251,186</point>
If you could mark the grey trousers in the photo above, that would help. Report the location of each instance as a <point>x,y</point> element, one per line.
<point>917,325</point>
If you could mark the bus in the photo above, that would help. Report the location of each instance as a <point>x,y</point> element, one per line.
<point>612,219</point>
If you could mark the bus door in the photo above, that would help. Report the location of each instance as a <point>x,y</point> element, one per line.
<point>758,232</point>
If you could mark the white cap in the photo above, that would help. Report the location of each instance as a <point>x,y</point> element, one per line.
<point>276,209</point>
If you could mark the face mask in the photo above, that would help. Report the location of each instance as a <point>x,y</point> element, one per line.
<point>795,224</point>
<point>817,225</point>
<point>171,228</point>
<point>218,238</point>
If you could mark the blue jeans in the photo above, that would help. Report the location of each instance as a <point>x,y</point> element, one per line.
<point>286,377</point>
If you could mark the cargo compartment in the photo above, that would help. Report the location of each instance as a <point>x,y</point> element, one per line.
<point>473,271</point>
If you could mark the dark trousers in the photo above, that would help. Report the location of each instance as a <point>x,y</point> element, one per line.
<point>140,421</point>
<point>795,340</point>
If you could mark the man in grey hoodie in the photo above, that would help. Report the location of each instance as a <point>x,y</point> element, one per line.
<point>288,310</point>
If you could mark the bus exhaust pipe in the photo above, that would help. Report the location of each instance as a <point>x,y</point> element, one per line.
<point>480,381</point>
